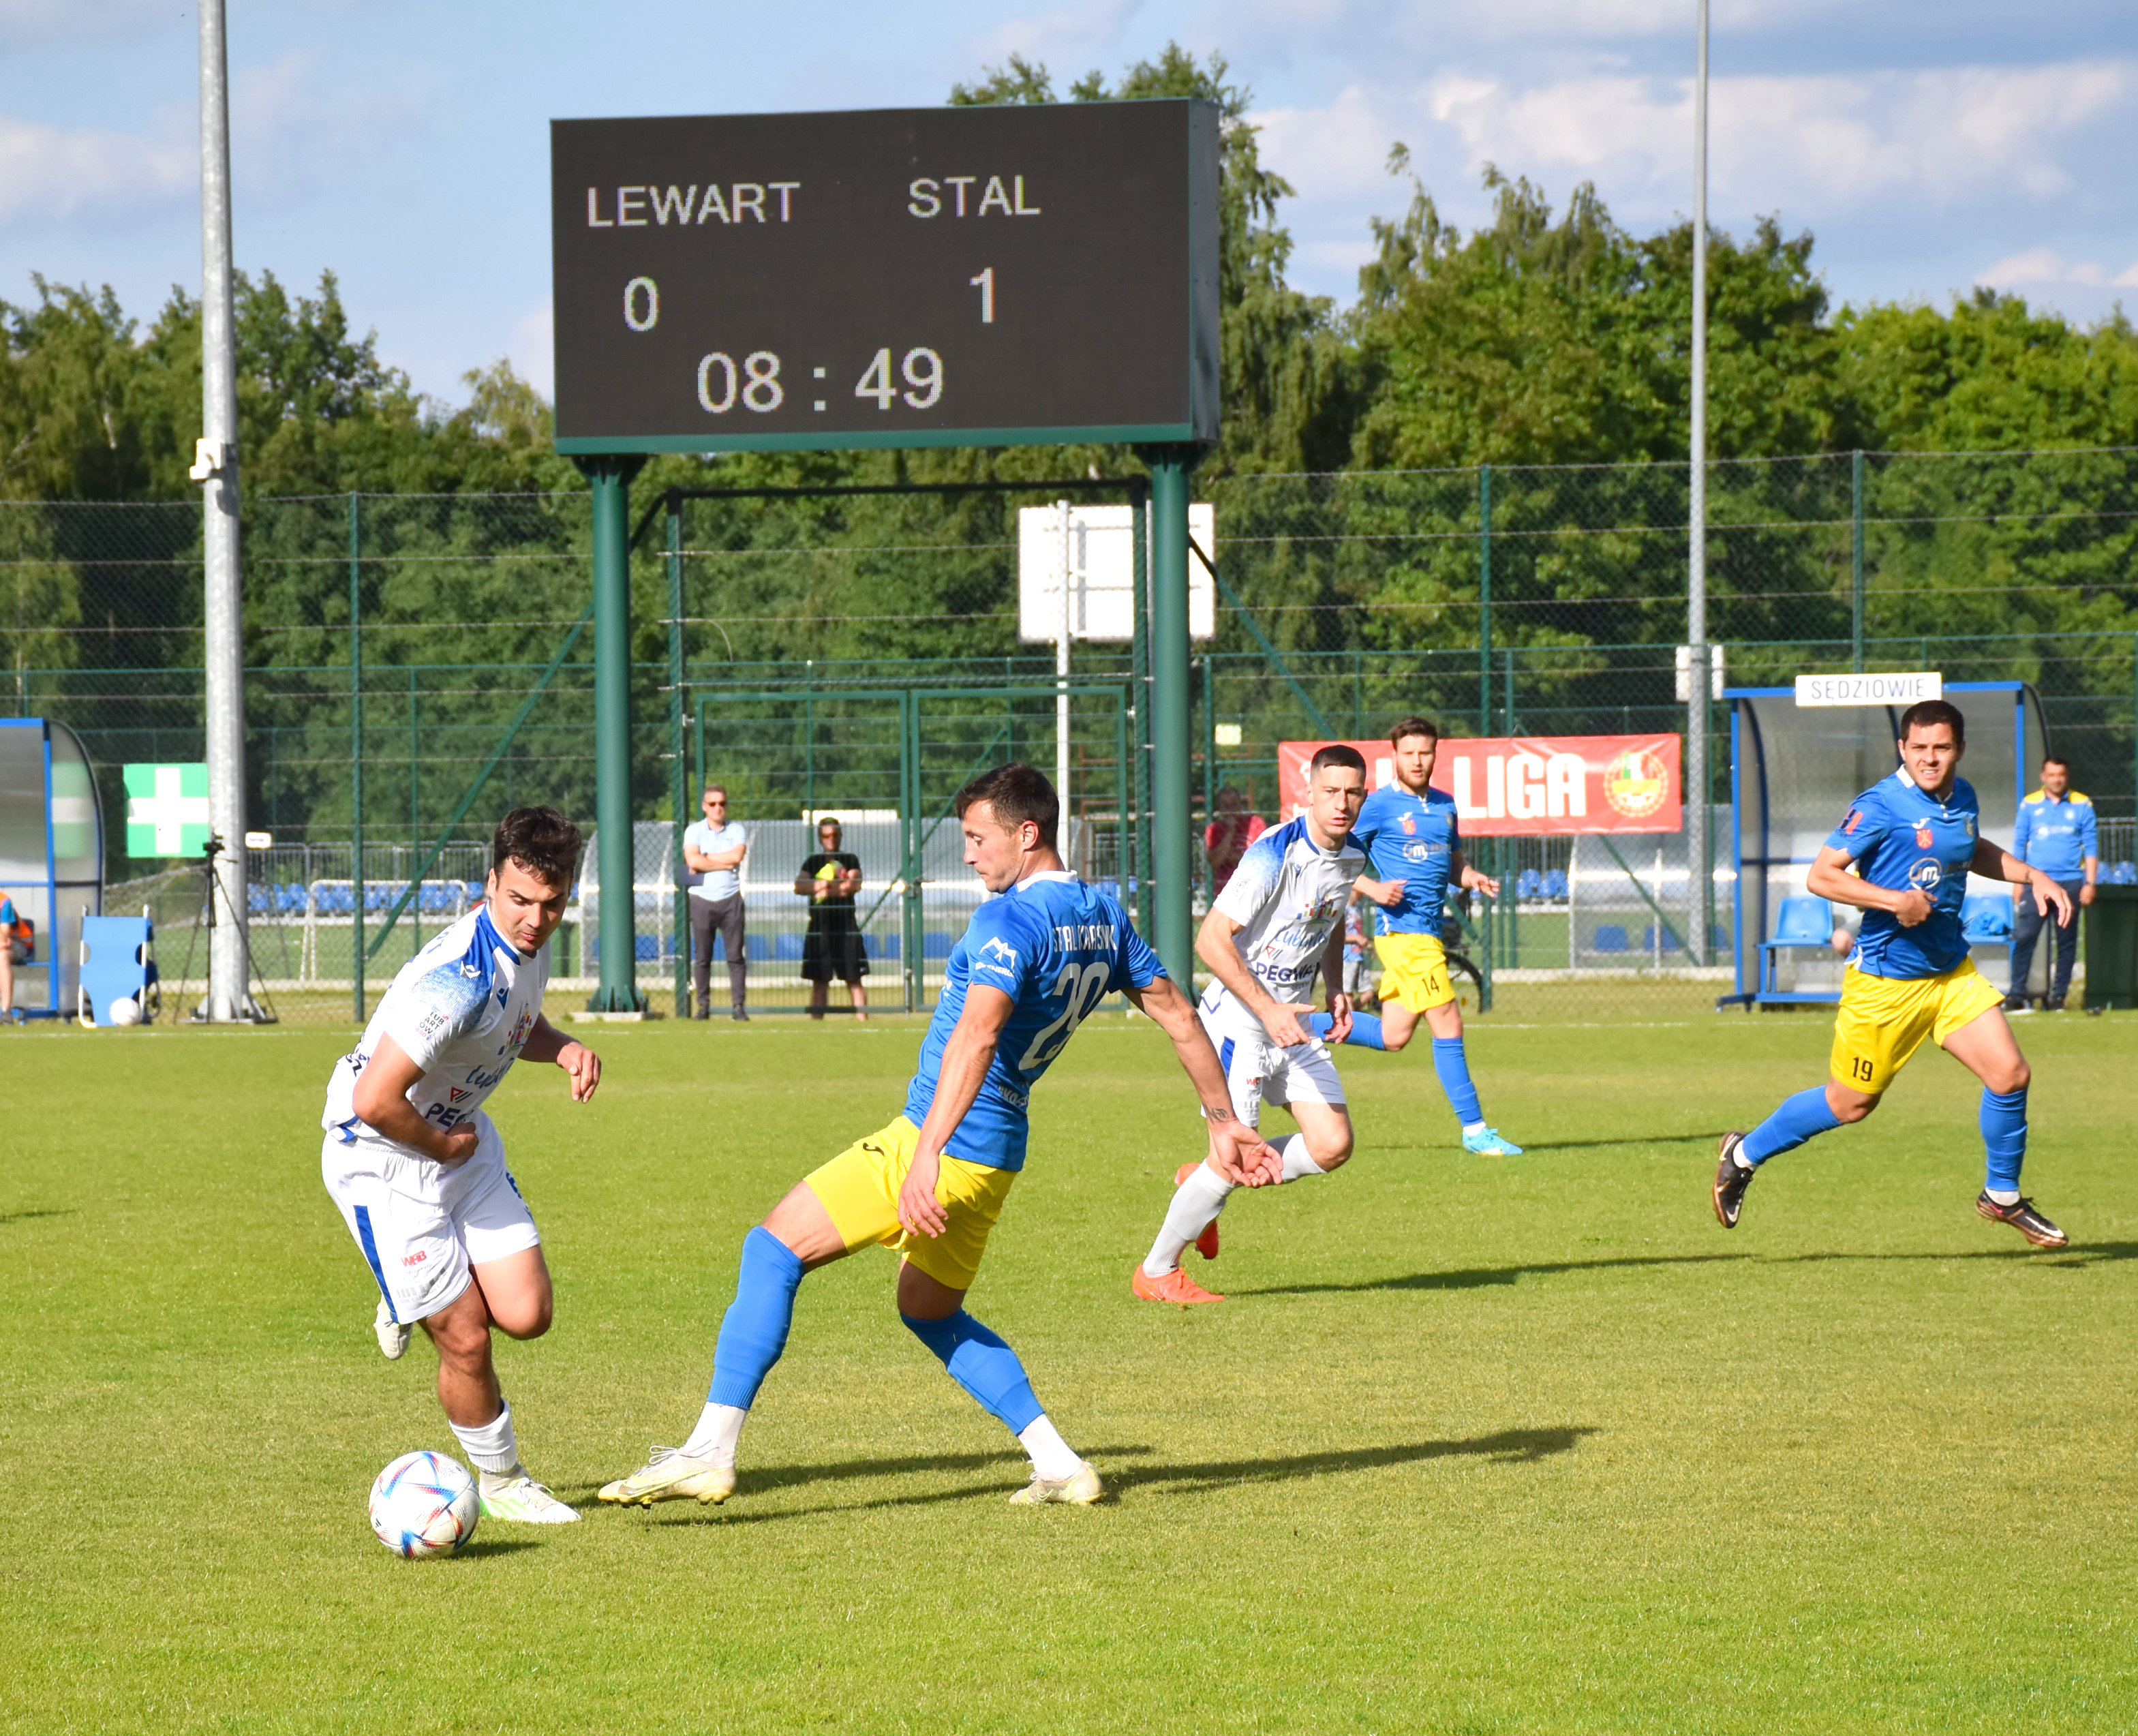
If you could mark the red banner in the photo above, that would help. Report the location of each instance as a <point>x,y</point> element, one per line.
<point>1526,784</point>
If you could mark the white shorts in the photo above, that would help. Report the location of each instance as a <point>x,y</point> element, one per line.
<point>1257,1071</point>
<point>422,1232</point>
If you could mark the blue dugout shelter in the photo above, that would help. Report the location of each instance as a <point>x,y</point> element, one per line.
<point>52,854</point>
<point>1792,771</point>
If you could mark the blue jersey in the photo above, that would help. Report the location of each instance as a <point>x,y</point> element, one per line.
<point>2057,836</point>
<point>1057,947</point>
<point>1900,837</point>
<point>1412,839</point>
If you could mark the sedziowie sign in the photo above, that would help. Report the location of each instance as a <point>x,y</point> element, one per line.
<point>1526,785</point>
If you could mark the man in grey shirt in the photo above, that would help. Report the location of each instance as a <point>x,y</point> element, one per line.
<point>713,850</point>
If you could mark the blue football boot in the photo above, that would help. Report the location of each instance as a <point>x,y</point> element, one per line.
<point>1488,1142</point>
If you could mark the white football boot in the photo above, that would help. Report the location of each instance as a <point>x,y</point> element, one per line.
<point>519,1499</point>
<point>669,1476</point>
<point>393,1335</point>
<point>1080,1490</point>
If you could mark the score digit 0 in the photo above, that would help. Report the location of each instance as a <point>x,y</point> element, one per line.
<point>642,293</point>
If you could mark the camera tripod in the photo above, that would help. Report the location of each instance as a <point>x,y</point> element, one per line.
<point>257,1010</point>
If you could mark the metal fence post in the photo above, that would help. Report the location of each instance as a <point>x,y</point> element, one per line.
<point>609,482</point>
<point>912,942</point>
<point>415,825</point>
<point>356,743</point>
<point>678,782</point>
<point>1171,732</point>
<point>1486,906</point>
<point>1856,559</point>
<point>1484,599</point>
<point>1138,867</point>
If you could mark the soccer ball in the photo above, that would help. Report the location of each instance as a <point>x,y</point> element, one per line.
<point>124,1010</point>
<point>424,1504</point>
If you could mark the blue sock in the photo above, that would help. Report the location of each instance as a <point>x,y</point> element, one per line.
<point>1365,1029</point>
<point>982,1364</point>
<point>1801,1117</point>
<point>753,1331</point>
<point>2004,1137</point>
<point>1453,1067</point>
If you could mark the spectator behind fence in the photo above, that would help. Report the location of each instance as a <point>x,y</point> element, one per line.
<point>2057,834</point>
<point>833,946</point>
<point>14,950</point>
<point>713,850</point>
<point>1226,839</point>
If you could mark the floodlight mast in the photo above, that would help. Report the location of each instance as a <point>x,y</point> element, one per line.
<point>215,468</point>
<point>1700,871</point>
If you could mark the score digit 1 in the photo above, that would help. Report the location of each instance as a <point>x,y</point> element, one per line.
<point>985,283</point>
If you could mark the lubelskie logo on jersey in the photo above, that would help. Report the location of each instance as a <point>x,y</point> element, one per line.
<point>1923,835</point>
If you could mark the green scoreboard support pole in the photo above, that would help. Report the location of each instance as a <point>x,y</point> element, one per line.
<point>1173,821</point>
<point>610,480</point>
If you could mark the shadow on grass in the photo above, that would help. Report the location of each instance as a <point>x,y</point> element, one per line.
<point>1510,1446</point>
<point>494,1546</point>
<point>1483,1277</point>
<point>1712,1139</point>
<point>2071,1259</point>
<point>16,1217</point>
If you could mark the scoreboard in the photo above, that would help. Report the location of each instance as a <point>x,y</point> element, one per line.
<point>995,275</point>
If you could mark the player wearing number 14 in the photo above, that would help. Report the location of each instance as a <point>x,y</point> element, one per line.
<point>1037,958</point>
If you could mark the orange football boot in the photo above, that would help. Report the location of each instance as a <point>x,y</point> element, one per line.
<point>1176,1287</point>
<point>1206,1244</point>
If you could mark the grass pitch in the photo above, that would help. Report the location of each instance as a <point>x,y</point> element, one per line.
<point>1476,1445</point>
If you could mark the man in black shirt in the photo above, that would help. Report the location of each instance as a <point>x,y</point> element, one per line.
<point>833,946</point>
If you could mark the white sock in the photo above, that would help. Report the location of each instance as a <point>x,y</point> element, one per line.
<point>1473,1127</point>
<point>1051,1456</point>
<point>1298,1162</point>
<point>714,1439</point>
<point>492,1447</point>
<point>2003,1196</point>
<point>1195,1202</point>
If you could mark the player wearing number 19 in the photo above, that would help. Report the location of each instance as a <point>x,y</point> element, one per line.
<point>1912,839</point>
<point>1034,961</point>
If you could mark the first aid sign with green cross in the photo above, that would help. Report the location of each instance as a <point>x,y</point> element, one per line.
<point>166,810</point>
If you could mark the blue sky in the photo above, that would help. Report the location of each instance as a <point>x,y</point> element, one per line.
<point>1929,145</point>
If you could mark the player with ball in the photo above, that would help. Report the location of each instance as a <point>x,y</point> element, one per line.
<point>417,1169</point>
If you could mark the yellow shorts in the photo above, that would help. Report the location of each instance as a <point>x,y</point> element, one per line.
<point>858,1190</point>
<point>1884,1020</point>
<point>1415,971</point>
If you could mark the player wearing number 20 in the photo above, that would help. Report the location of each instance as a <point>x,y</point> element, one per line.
<point>1912,839</point>
<point>1033,964</point>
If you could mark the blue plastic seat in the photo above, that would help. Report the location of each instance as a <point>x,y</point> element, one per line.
<point>1529,884</point>
<point>1805,923</point>
<point>1554,884</point>
<point>1610,938</point>
<point>259,900</point>
<point>935,946</point>
<point>788,948</point>
<point>645,948</point>
<point>1986,920</point>
<point>2121,874</point>
<point>885,948</point>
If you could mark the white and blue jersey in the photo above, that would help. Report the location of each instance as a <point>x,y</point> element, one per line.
<point>2056,836</point>
<point>1057,947</point>
<point>462,1009</point>
<point>1288,895</point>
<point>1412,839</point>
<point>1899,837</point>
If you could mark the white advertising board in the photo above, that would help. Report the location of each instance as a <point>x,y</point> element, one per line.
<point>1101,573</point>
<point>1870,689</point>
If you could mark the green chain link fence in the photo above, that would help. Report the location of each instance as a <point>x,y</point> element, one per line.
<point>417,664</point>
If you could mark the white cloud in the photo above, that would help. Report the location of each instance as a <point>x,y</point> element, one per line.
<point>1942,134</point>
<point>1050,37</point>
<point>295,131</point>
<point>2045,264</point>
<point>27,23</point>
<point>532,348</point>
<point>48,174</point>
<point>1334,151</point>
<point>2127,279</point>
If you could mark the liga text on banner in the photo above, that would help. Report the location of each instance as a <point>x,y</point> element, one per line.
<point>1520,785</point>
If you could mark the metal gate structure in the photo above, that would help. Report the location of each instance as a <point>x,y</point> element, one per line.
<point>888,763</point>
